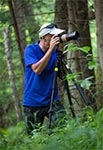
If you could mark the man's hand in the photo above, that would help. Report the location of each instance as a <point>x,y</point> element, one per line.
<point>54,41</point>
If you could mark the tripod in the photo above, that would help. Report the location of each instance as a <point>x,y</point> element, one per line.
<point>62,67</point>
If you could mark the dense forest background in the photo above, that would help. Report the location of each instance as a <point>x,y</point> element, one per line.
<point>20,21</point>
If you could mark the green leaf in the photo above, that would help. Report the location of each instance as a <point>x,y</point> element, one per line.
<point>86,83</point>
<point>73,47</point>
<point>73,75</point>
<point>92,64</point>
<point>85,49</point>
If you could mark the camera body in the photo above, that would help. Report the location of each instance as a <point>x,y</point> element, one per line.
<point>67,37</point>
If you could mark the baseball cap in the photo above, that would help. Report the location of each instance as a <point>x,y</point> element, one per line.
<point>50,28</point>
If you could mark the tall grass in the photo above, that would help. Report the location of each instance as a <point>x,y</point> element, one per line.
<point>83,133</point>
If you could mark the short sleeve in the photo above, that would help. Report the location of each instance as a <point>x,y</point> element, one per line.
<point>30,56</point>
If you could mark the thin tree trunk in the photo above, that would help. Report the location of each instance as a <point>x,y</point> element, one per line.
<point>11,74</point>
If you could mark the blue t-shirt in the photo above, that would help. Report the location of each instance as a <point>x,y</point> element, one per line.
<point>38,88</point>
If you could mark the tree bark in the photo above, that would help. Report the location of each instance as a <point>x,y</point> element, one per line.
<point>83,26</point>
<point>18,22</point>
<point>78,21</point>
<point>11,75</point>
<point>99,23</point>
<point>61,14</point>
<point>99,71</point>
<point>29,19</point>
<point>61,20</point>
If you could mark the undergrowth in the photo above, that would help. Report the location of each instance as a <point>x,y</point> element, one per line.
<point>83,133</point>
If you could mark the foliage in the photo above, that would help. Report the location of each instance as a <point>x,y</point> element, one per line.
<point>83,133</point>
<point>87,82</point>
<point>74,47</point>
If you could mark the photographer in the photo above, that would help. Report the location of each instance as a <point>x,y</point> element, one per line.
<point>40,59</point>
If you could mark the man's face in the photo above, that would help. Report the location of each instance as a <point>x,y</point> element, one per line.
<point>47,40</point>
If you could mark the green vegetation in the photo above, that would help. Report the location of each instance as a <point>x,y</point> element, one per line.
<point>78,134</point>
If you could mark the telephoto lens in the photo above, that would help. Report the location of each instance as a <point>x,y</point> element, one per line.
<point>67,37</point>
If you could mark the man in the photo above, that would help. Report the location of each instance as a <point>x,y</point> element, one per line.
<point>40,59</point>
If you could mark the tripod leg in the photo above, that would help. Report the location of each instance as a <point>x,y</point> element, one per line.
<point>52,95</point>
<point>86,101</point>
<point>63,73</point>
<point>69,97</point>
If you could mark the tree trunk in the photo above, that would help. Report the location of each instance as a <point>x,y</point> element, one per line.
<point>78,21</point>
<point>16,13</point>
<point>61,20</point>
<point>29,19</point>
<point>83,26</point>
<point>73,55</point>
<point>61,14</point>
<point>99,72</point>
<point>11,75</point>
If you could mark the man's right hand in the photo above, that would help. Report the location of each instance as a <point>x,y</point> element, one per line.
<point>54,42</point>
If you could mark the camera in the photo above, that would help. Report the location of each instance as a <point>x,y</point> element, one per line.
<point>67,37</point>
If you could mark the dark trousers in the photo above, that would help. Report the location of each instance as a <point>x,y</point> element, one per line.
<point>35,115</point>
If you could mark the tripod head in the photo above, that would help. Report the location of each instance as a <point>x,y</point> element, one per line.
<point>65,38</point>
<point>60,50</point>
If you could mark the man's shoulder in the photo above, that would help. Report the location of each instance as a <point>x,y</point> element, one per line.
<point>31,47</point>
